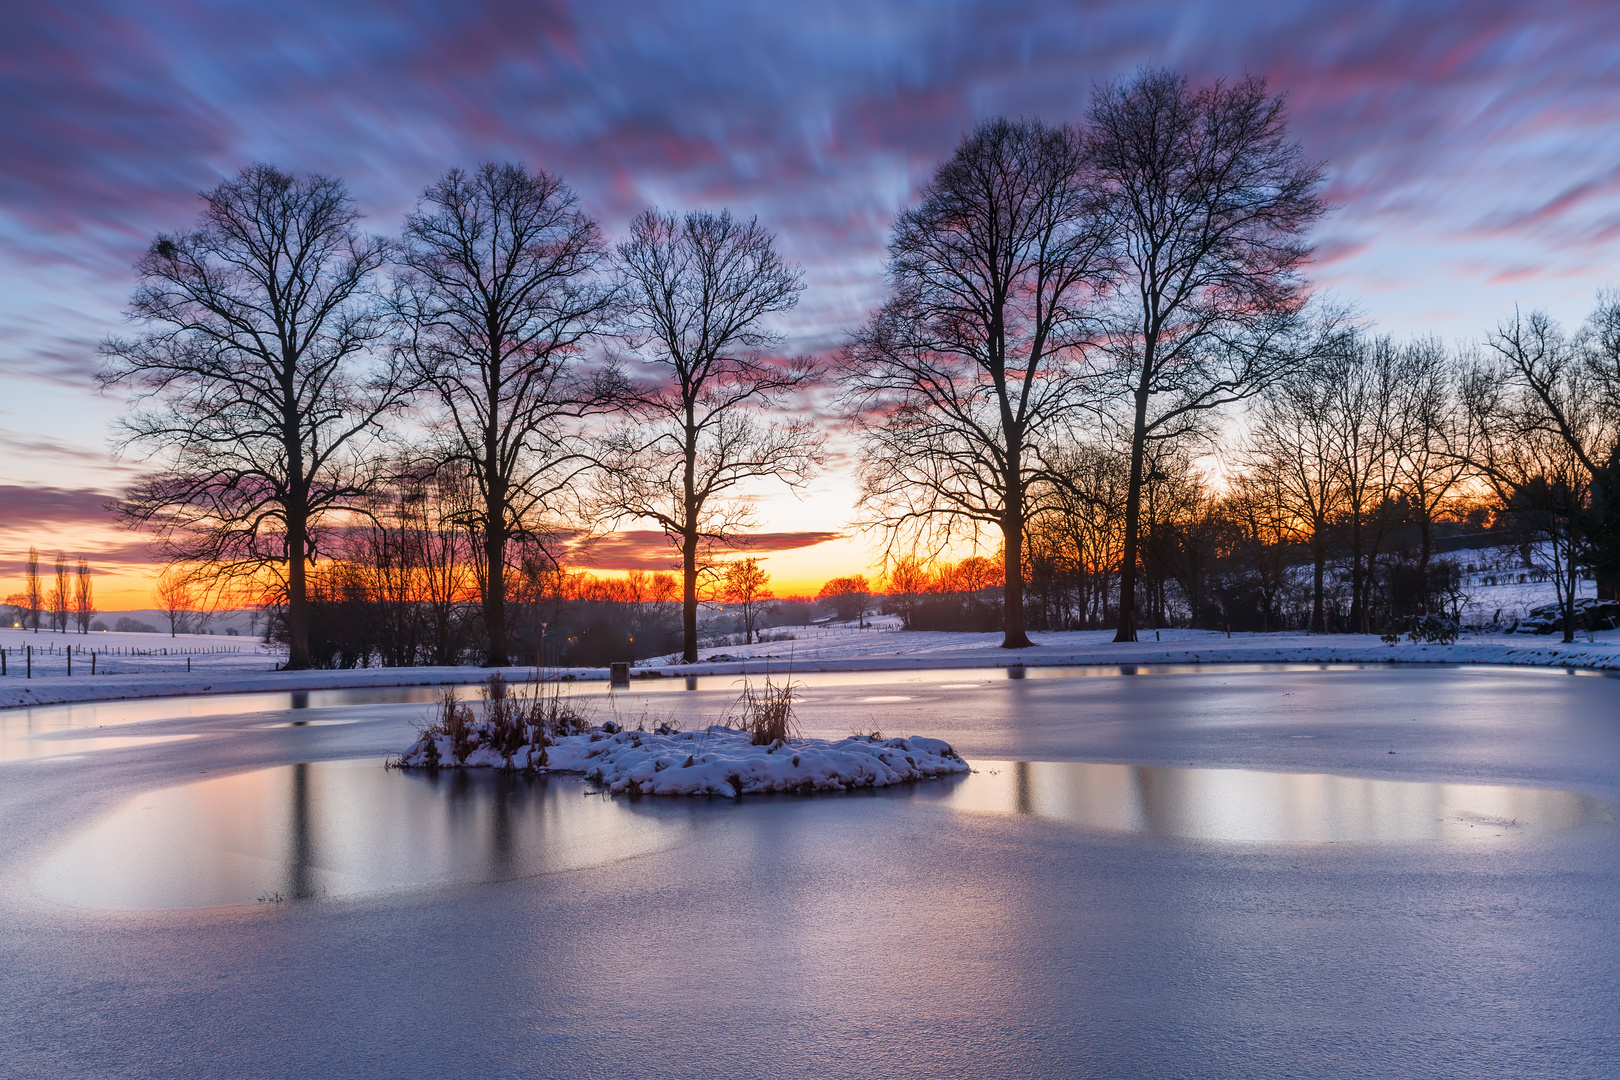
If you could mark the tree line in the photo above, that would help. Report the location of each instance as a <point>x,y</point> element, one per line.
<point>429,426</point>
<point>62,602</point>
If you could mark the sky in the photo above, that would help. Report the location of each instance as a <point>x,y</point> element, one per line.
<point>1472,150</point>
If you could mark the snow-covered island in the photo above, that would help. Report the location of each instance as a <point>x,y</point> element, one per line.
<point>538,731</point>
<point>713,761</point>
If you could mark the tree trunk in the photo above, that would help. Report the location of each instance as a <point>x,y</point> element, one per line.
<point>1318,585</point>
<point>1012,593</point>
<point>297,593</point>
<point>1133,514</point>
<point>689,542</point>
<point>495,597</point>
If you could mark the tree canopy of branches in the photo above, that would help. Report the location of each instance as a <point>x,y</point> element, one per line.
<point>258,384</point>
<point>500,291</point>
<point>1543,416</point>
<point>976,366</point>
<point>1209,202</point>
<point>850,596</point>
<point>697,290</point>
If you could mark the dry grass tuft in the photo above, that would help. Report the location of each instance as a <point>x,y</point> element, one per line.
<point>766,713</point>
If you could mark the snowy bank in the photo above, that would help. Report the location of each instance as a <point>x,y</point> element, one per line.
<point>714,761</point>
<point>836,649</point>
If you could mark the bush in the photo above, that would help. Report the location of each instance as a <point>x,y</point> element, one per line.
<point>127,625</point>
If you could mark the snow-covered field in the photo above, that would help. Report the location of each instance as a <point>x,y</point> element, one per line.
<point>877,648</point>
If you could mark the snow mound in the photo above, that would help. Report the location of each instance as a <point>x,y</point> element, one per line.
<point>714,761</point>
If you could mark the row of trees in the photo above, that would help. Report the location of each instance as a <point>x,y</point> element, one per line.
<point>66,603</point>
<point>294,372</point>
<point>1073,314</point>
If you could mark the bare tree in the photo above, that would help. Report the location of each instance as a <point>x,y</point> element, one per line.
<point>1544,433</point>
<point>1363,402</point>
<point>697,290</point>
<point>1428,438</point>
<point>978,363</point>
<point>745,586</point>
<point>84,601</point>
<point>60,597</point>
<point>500,294</point>
<point>850,597</point>
<point>257,382</point>
<point>1209,202</point>
<point>1292,463</point>
<point>33,594</point>
<point>176,599</point>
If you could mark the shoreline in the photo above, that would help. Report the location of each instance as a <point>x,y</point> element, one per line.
<point>889,651</point>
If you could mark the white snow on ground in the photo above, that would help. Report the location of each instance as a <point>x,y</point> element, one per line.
<point>714,761</point>
<point>821,649</point>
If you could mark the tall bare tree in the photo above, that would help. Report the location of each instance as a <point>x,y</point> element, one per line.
<point>1363,402</point>
<point>61,595</point>
<point>84,596</point>
<point>500,294</point>
<point>698,289</point>
<point>1210,202</point>
<point>33,593</point>
<point>257,382</point>
<point>1292,463</point>
<point>1428,437</point>
<point>976,366</point>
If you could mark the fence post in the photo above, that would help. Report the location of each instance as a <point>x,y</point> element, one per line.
<point>70,662</point>
<point>92,661</point>
<point>30,662</point>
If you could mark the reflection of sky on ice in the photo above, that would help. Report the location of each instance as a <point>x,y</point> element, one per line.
<point>330,830</point>
<point>339,829</point>
<point>1246,806</point>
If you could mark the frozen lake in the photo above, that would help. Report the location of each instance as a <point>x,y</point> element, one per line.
<point>1209,871</point>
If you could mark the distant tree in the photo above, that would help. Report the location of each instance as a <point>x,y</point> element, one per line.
<point>850,596</point>
<point>60,597</point>
<point>697,290</point>
<point>33,594</point>
<point>1428,439</point>
<point>909,578</point>
<point>1209,202</point>
<point>980,361</point>
<point>84,604</point>
<point>499,295</point>
<point>260,388</point>
<point>176,599</point>
<point>1292,465</point>
<point>745,586</point>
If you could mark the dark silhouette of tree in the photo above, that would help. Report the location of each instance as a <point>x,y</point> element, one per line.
<point>33,593</point>
<point>499,295</point>
<point>257,383</point>
<point>1209,203</point>
<point>978,363</point>
<point>84,597</point>
<point>697,290</point>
